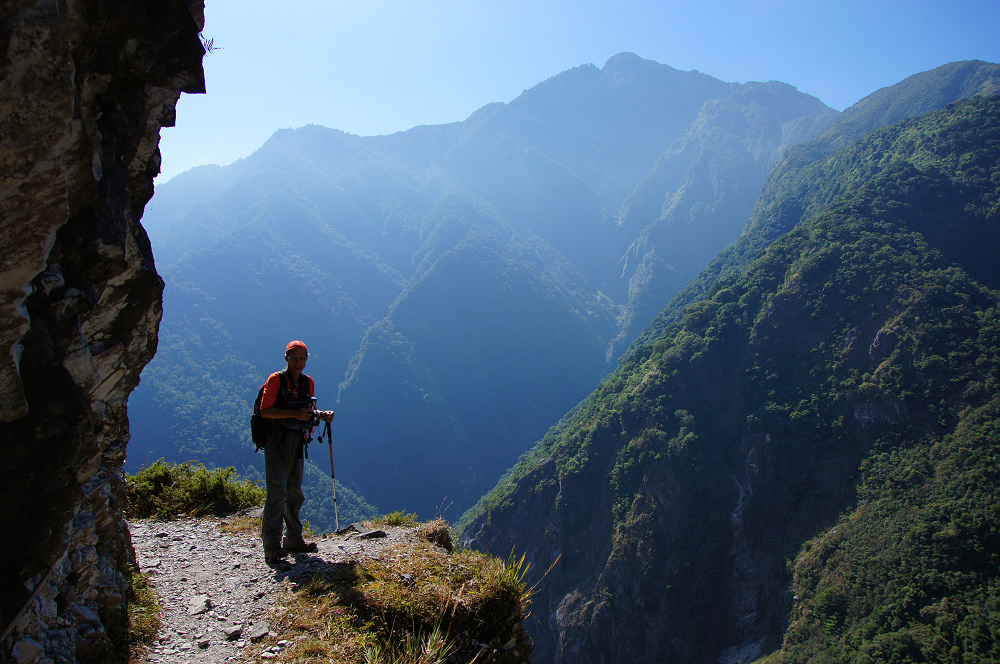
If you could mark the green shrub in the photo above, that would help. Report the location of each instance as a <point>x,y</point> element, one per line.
<point>166,490</point>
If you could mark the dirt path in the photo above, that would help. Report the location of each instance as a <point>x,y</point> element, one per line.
<point>216,591</point>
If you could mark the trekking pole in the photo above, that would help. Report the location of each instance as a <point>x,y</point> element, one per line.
<point>329,439</point>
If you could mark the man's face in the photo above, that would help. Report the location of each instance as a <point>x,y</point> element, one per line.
<point>296,358</point>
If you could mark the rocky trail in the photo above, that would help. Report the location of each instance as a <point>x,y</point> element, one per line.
<point>217,593</point>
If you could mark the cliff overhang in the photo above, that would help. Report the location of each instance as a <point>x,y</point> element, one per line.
<point>86,86</point>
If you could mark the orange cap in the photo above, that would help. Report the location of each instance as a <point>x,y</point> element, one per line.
<point>296,344</point>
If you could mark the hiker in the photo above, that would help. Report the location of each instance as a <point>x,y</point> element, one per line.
<point>288,399</point>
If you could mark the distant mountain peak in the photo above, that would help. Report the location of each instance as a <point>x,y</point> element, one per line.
<point>626,65</point>
<point>629,59</point>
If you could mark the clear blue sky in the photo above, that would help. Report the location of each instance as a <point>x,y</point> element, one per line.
<point>379,66</point>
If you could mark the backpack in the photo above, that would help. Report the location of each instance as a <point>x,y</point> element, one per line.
<point>261,426</point>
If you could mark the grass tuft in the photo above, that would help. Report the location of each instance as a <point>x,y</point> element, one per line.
<point>414,604</point>
<point>241,523</point>
<point>143,611</point>
<point>434,647</point>
<point>399,518</point>
<point>438,532</point>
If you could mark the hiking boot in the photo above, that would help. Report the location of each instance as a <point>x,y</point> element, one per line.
<point>271,555</point>
<point>301,547</point>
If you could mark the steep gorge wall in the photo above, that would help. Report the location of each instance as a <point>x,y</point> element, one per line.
<point>85,86</point>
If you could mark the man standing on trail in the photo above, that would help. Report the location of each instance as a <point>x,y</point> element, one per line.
<point>289,400</point>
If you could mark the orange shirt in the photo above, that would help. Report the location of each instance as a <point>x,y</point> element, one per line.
<point>273,386</point>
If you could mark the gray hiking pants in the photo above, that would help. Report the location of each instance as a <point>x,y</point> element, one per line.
<point>283,465</point>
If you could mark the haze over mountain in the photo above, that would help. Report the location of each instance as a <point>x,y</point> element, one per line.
<point>833,403</point>
<point>464,285</point>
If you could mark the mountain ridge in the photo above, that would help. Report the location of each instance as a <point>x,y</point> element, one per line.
<point>532,188</point>
<point>917,94</point>
<point>365,206</point>
<point>675,493</point>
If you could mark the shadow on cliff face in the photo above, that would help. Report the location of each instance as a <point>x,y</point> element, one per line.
<point>86,89</point>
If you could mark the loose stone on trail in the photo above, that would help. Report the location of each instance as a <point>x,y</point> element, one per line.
<point>258,631</point>
<point>217,593</point>
<point>198,605</point>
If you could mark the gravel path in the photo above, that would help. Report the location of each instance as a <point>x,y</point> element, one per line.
<point>216,591</point>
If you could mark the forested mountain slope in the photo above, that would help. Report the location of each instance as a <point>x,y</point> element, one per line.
<point>835,405</point>
<point>460,286</point>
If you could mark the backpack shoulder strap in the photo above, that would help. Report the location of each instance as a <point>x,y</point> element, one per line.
<point>282,386</point>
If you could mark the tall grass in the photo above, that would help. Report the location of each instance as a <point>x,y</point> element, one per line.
<point>433,647</point>
<point>416,603</point>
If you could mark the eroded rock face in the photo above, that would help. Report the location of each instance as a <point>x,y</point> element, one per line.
<point>85,86</point>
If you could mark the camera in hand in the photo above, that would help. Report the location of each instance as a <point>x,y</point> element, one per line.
<point>301,425</point>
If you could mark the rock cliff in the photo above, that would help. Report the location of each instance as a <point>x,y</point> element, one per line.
<point>85,86</point>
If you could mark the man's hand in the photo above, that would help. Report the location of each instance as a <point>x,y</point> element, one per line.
<point>305,414</point>
<point>326,415</point>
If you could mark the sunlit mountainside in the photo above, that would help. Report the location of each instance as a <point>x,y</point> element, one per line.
<point>805,465</point>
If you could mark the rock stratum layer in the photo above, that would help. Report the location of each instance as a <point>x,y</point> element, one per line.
<point>85,87</point>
